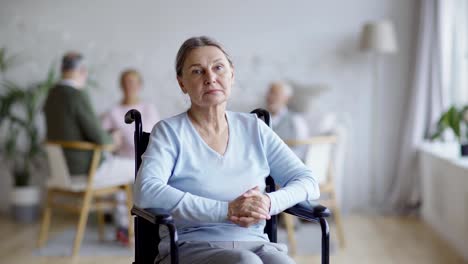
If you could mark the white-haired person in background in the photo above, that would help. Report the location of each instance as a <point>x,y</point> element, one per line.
<point>287,124</point>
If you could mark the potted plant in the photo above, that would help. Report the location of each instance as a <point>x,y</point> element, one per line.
<point>455,119</point>
<point>21,145</point>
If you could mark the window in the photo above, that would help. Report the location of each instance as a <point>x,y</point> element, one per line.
<point>454,41</point>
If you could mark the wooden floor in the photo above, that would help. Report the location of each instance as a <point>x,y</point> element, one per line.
<point>369,240</point>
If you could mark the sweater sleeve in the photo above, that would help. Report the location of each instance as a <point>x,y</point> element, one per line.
<point>153,191</point>
<point>297,182</point>
<point>88,122</point>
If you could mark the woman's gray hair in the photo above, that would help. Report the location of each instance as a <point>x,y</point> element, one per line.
<point>193,43</point>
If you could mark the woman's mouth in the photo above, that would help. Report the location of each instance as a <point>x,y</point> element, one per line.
<point>213,91</point>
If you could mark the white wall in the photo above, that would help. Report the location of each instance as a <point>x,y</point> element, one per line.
<point>308,41</point>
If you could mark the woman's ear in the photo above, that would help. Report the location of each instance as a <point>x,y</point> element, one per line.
<point>232,75</point>
<point>181,85</point>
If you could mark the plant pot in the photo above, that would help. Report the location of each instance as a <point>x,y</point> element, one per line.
<point>25,204</point>
<point>464,150</point>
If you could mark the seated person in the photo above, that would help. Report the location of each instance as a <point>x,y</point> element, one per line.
<point>70,117</point>
<point>131,84</point>
<point>208,166</point>
<point>288,125</point>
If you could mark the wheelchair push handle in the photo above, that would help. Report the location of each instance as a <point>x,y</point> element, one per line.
<point>262,114</point>
<point>133,116</point>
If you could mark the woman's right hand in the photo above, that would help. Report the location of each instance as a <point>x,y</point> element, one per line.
<point>249,208</point>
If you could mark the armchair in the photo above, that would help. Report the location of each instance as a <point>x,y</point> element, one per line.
<point>84,188</point>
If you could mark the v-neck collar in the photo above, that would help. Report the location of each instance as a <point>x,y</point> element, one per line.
<point>194,130</point>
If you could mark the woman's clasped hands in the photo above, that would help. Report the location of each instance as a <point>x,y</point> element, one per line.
<point>249,208</point>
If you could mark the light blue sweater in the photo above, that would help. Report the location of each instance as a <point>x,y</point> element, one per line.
<point>181,173</point>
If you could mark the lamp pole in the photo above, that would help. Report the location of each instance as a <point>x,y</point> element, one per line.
<point>378,37</point>
<point>374,147</point>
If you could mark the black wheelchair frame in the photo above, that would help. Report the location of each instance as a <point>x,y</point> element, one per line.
<point>148,220</point>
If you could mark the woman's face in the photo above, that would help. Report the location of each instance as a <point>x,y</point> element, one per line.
<point>131,86</point>
<point>207,77</point>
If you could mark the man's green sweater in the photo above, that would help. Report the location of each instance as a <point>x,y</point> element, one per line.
<point>70,117</point>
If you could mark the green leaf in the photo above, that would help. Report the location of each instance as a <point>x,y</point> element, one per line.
<point>13,90</point>
<point>43,88</point>
<point>10,145</point>
<point>7,62</point>
<point>436,135</point>
<point>3,65</point>
<point>442,124</point>
<point>454,121</point>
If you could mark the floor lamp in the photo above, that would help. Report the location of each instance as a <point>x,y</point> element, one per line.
<point>377,38</point>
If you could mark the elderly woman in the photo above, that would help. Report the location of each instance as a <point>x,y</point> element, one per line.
<point>208,167</point>
<point>131,83</point>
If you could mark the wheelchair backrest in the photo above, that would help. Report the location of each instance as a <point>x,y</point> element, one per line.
<point>141,143</point>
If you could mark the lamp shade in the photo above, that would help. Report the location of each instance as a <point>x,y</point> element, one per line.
<point>379,37</point>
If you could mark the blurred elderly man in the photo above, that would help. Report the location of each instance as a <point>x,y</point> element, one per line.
<point>288,125</point>
<point>70,117</point>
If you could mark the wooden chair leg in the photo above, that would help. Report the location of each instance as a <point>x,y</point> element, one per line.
<point>339,224</point>
<point>101,224</point>
<point>45,223</point>
<point>289,223</point>
<point>84,212</point>
<point>129,193</point>
<point>337,218</point>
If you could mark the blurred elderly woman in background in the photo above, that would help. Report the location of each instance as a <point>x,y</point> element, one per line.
<point>208,166</point>
<point>131,84</point>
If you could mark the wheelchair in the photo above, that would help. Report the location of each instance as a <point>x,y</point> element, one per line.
<point>148,220</point>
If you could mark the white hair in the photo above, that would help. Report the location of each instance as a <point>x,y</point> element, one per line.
<point>288,90</point>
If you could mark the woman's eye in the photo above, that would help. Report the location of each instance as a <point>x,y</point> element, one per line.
<point>219,67</point>
<point>196,71</point>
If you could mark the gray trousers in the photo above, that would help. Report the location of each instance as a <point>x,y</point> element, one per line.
<point>195,252</point>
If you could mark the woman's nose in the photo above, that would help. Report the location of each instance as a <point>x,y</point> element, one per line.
<point>210,77</point>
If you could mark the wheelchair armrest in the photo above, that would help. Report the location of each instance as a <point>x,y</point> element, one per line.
<point>309,211</point>
<point>153,215</point>
<point>158,216</point>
